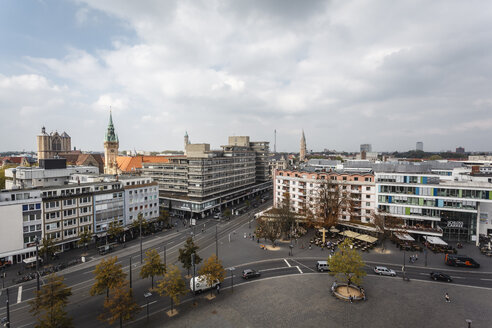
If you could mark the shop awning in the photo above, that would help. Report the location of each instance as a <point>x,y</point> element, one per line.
<point>403,236</point>
<point>367,238</point>
<point>18,252</point>
<point>435,240</point>
<point>360,226</point>
<point>350,234</point>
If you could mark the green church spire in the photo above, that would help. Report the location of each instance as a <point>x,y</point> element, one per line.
<point>110,135</point>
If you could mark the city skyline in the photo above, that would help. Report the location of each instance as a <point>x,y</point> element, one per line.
<point>348,73</point>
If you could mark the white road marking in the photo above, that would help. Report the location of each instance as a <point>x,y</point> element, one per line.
<point>300,271</point>
<point>288,264</point>
<point>150,303</point>
<point>279,268</point>
<point>19,295</point>
<point>304,266</point>
<point>485,279</point>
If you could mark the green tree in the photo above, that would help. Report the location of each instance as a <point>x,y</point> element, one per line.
<point>153,265</point>
<point>120,306</point>
<point>435,158</point>
<point>85,238</point>
<point>383,222</point>
<point>108,274</point>
<point>213,270</point>
<point>2,175</point>
<point>286,215</point>
<point>163,218</point>
<point>185,254</point>
<point>172,285</point>
<point>49,304</point>
<point>135,226</point>
<point>47,249</point>
<point>228,213</point>
<point>269,229</point>
<point>347,264</point>
<point>115,230</point>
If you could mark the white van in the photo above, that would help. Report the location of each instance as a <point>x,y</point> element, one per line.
<point>322,266</point>
<point>201,284</point>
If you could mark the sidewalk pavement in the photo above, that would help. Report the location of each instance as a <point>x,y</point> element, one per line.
<point>244,250</point>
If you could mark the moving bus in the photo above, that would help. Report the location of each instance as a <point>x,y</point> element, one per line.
<point>460,260</point>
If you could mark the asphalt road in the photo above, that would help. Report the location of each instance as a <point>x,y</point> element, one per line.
<point>85,308</point>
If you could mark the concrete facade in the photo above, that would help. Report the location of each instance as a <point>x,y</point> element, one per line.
<point>204,179</point>
<point>303,188</point>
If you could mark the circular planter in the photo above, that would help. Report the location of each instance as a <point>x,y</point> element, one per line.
<point>339,290</point>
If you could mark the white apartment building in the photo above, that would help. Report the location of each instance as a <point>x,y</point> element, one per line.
<point>303,188</point>
<point>141,196</point>
<point>21,224</point>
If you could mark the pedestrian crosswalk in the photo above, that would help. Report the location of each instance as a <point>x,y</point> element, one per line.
<point>19,295</point>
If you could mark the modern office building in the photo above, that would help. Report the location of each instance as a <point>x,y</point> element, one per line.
<point>204,180</point>
<point>419,146</point>
<point>456,206</point>
<point>51,172</point>
<point>443,199</point>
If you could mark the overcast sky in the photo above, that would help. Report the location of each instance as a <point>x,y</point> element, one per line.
<point>389,73</point>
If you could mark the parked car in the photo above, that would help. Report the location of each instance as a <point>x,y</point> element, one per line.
<point>384,271</point>
<point>461,260</point>
<point>322,266</point>
<point>440,276</point>
<point>250,273</point>
<point>217,216</point>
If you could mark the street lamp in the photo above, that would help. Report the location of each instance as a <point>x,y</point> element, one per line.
<point>147,296</point>
<point>6,321</point>
<point>216,243</point>
<point>3,279</point>
<point>231,269</point>
<point>194,279</point>
<point>164,255</point>
<point>130,268</point>
<point>37,263</point>
<point>141,250</point>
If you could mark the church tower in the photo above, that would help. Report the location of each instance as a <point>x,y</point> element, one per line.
<point>186,141</point>
<point>302,153</point>
<point>111,144</point>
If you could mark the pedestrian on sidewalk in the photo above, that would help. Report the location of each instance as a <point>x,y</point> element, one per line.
<point>446,297</point>
<point>218,289</point>
<point>351,299</point>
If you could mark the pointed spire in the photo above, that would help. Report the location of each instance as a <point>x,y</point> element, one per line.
<point>111,136</point>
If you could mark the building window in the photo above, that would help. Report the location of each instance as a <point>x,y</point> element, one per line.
<point>368,204</point>
<point>368,188</point>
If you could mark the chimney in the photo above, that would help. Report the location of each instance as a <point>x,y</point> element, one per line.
<point>475,169</point>
<point>14,173</point>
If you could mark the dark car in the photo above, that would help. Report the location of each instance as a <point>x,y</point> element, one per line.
<point>440,276</point>
<point>249,273</point>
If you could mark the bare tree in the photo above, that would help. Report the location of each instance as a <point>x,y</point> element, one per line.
<point>329,203</point>
<point>385,223</point>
